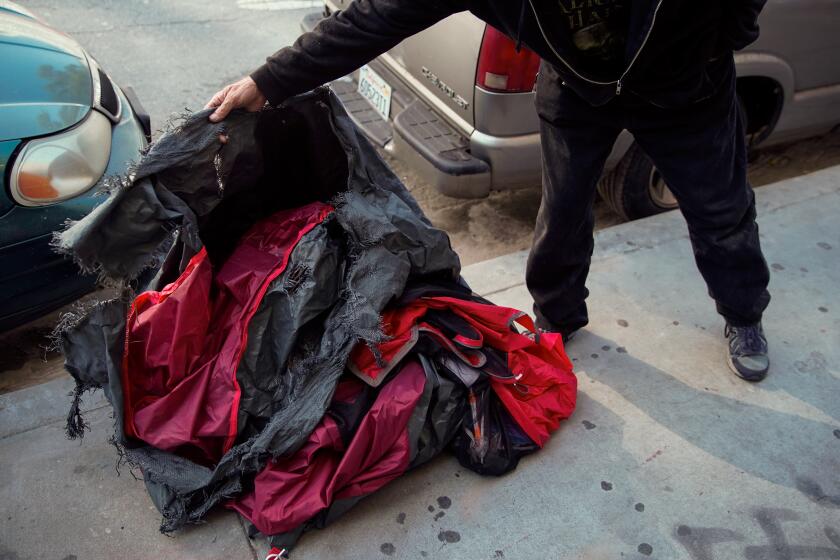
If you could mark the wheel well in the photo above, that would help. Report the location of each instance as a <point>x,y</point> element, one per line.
<point>762,100</point>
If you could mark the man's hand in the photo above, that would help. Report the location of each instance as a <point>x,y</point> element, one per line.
<point>244,94</point>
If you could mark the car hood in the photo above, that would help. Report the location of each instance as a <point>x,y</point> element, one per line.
<point>47,83</point>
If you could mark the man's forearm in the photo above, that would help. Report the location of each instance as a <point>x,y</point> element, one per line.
<point>345,41</point>
<point>740,27</point>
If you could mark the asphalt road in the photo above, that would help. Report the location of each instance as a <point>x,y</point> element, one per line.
<point>176,54</point>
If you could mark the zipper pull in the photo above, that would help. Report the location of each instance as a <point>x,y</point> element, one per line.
<point>618,87</point>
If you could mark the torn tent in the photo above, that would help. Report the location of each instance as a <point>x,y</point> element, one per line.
<point>181,391</point>
<point>265,261</point>
<point>418,398</point>
<point>530,374</point>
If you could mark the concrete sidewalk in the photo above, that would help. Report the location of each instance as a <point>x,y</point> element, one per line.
<point>668,455</point>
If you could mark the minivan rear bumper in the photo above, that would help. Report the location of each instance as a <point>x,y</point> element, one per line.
<point>515,161</point>
<point>458,162</point>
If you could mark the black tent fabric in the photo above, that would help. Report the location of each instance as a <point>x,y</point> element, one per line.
<point>200,187</point>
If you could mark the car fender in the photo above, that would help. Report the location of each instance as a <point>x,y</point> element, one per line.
<point>767,65</point>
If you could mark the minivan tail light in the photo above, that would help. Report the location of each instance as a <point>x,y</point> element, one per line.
<point>501,68</point>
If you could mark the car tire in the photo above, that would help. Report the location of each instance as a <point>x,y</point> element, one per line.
<point>635,188</point>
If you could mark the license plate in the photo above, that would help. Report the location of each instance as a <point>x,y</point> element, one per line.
<point>376,90</point>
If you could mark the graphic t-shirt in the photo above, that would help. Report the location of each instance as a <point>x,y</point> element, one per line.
<point>598,29</point>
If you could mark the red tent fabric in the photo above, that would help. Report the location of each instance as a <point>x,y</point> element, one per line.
<point>183,343</point>
<point>290,491</point>
<point>544,390</point>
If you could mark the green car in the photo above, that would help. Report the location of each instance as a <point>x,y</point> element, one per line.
<point>64,127</point>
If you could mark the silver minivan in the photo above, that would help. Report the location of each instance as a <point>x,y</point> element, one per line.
<point>456,102</point>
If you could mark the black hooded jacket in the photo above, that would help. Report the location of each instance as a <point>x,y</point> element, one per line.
<point>668,48</point>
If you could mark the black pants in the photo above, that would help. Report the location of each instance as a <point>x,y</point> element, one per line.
<point>699,150</point>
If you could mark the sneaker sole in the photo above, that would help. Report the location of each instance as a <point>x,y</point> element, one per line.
<point>758,376</point>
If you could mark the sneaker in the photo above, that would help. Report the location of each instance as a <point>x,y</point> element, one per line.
<point>747,351</point>
<point>565,337</point>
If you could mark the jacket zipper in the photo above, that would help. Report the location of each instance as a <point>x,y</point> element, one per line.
<point>639,51</point>
<point>618,83</point>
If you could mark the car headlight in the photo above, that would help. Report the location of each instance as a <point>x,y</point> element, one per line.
<point>55,168</point>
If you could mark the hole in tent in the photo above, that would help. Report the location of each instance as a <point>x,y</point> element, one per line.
<point>296,159</point>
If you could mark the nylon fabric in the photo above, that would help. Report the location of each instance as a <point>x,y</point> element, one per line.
<point>289,492</point>
<point>543,389</point>
<point>268,267</point>
<point>184,342</point>
<point>190,192</point>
